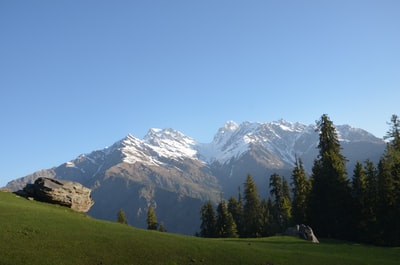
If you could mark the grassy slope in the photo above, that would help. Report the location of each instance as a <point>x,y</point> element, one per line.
<point>39,233</point>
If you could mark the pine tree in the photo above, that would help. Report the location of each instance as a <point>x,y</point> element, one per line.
<point>372,201</point>
<point>151,219</point>
<point>121,217</point>
<point>235,207</point>
<point>388,209</point>
<point>225,225</point>
<point>279,189</point>
<point>301,190</point>
<point>286,204</point>
<point>359,192</point>
<point>386,205</point>
<point>252,218</point>
<point>330,196</point>
<point>208,222</point>
<point>161,227</point>
<point>266,224</point>
<point>393,135</point>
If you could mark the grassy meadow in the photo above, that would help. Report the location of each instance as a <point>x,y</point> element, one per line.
<point>38,233</point>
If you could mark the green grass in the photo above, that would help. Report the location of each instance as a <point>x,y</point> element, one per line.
<point>38,233</point>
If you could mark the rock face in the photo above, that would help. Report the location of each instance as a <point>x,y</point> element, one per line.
<point>302,231</point>
<point>66,193</point>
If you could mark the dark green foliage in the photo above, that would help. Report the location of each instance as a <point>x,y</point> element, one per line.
<point>225,224</point>
<point>388,205</point>
<point>285,189</point>
<point>281,210</point>
<point>371,201</point>
<point>121,217</point>
<point>360,200</point>
<point>359,184</point>
<point>286,208</point>
<point>330,198</point>
<point>161,227</point>
<point>252,217</point>
<point>208,221</point>
<point>152,223</point>
<point>267,218</point>
<point>301,191</point>
<point>328,139</point>
<point>393,135</point>
<point>365,210</point>
<point>235,207</point>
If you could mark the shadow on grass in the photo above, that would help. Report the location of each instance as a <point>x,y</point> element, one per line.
<point>274,240</point>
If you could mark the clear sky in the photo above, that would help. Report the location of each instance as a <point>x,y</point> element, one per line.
<point>76,76</point>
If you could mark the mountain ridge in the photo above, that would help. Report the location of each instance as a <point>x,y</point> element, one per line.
<point>167,169</point>
<point>229,142</point>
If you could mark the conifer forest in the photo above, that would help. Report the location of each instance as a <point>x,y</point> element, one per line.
<point>360,206</point>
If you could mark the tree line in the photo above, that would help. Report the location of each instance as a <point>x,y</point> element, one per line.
<point>363,207</point>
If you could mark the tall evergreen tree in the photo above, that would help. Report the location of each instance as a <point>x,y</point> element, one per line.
<point>152,223</point>
<point>286,204</point>
<point>235,207</point>
<point>388,210</point>
<point>285,189</point>
<point>330,196</point>
<point>267,218</point>
<point>279,189</point>
<point>252,217</point>
<point>121,217</point>
<point>393,135</point>
<point>371,201</point>
<point>386,206</point>
<point>301,190</point>
<point>360,193</point>
<point>225,225</point>
<point>208,221</point>
<point>393,155</point>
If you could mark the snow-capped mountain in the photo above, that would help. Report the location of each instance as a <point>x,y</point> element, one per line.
<point>175,174</point>
<point>156,145</point>
<point>283,138</point>
<point>233,140</point>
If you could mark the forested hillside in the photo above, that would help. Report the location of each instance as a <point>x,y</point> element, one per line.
<point>361,206</point>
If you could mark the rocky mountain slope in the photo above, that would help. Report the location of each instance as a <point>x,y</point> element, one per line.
<point>175,174</point>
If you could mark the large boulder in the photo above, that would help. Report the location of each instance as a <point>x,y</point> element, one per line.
<point>66,193</point>
<point>302,231</point>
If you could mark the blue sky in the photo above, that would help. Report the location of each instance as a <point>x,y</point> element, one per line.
<point>77,76</point>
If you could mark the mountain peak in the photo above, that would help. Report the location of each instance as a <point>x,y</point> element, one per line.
<point>169,143</point>
<point>289,126</point>
<point>155,136</point>
<point>225,132</point>
<point>348,133</point>
<point>230,125</point>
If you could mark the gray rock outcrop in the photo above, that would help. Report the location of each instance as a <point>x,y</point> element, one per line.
<point>302,231</point>
<point>66,193</point>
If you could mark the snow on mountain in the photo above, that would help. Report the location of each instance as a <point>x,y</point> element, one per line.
<point>158,143</point>
<point>170,143</point>
<point>287,139</point>
<point>224,133</point>
<point>232,140</point>
<point>283,138</point>
<point>346,133</point>
<point>136,150</point>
